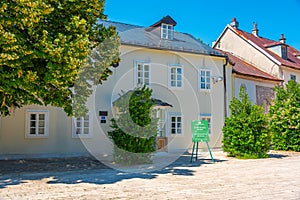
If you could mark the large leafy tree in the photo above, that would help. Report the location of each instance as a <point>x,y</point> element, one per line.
<point>44,48</point>
<point>285,117</point>
<point>245,131</point>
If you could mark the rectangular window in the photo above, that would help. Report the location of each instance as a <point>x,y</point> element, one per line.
<point>205,79</point>
<point>207,117</point>
<point>167,31</point>
<point>143,74</point>
<point>176,124</point>
<point>82,126</point>
<point>37,123</point>
<point>293,77</point>
<point>176,74</point>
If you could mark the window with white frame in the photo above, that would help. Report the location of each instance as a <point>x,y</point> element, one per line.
<point>205,79</point>
<point>207,117</point>
<point>293,77</point>
<point>82,126</point>
<point>176,123</point>
<point>167,31</point>
<point>142,74</point>
<point>175,76</point>
<point>37,123</point>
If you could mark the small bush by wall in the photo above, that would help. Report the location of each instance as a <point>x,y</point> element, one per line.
<point>134,130</point>
<point>245,131</point>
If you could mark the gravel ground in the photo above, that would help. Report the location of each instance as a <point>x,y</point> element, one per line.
<point>22,166</point>
<point>277,177</point>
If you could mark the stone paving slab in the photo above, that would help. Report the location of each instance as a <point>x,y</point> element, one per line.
<point>277,177</point>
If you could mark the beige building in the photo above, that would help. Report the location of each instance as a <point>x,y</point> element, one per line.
<point>258,84</point>
<point>267,63</point>
<point>188,80</point>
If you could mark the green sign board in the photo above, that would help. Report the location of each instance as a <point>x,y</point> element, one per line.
<point>200,131</point>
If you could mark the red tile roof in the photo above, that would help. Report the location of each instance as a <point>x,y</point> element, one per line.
<point>292,61</point>
<point>241,67</point>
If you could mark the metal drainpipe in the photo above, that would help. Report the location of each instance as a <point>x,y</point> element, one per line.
<point>225,86</point>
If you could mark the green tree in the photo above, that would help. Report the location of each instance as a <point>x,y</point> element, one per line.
<point>245,131</point>
<point>134,130</point>
<point>44,46</point>
<point>284,117</point>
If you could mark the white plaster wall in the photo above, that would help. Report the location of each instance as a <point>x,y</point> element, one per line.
<point>13,141</point>
<point>59,140</point>
<point>287,74</point>
<point>189,101</point>
<point>233,43</point>
<point>250,87</point>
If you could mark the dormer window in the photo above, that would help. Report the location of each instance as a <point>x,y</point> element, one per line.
<point>279,49</point>
<point>166,27</point>
<point>167,31</point>
<point>284,52</point>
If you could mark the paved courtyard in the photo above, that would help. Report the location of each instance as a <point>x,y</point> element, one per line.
<point>274,178</point>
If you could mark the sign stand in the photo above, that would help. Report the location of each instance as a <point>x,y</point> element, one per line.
<point>200,134</point>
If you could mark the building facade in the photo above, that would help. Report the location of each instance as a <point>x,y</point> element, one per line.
<point>273,63</point>
<point>188,80</point>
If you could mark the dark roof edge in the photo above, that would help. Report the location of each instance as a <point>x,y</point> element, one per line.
<point>110,21</point>
<point>176,50</point>
<point>291,67</point>
<point>259,77</point>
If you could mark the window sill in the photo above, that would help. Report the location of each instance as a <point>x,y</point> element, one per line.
<point>176,88</point>
<point>88,136</point>
<point>36,136</point>
<point>175,135</point>
<point>205,90</point>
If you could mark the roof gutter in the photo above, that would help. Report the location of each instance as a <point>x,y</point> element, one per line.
<point>247,76</point>
<point>225,86</point>
<point>290,67</point>
<point>176,50</point>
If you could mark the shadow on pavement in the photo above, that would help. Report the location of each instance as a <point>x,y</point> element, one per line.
<point>277,155</point>
<point>84,170</point>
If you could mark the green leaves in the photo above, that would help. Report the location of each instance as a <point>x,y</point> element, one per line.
<point>135,128</point>
<point>245,131</point>
<point>44,47</point>
<point>285,118</point>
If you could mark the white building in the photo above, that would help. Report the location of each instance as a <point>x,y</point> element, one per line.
<point>182,71</point>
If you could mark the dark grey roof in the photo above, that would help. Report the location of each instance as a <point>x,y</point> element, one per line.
<point>143,36</point>
<point>165,20</point>
<point>158,102</point>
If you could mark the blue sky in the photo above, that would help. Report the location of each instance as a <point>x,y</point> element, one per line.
<point>207,19</point>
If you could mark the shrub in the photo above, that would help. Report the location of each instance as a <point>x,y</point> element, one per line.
<point>284,118</point>
<point>134,130</point>
<point>245,132</point>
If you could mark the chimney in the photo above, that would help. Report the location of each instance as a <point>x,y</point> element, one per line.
<point>255,30</point>
<point>282,39</point>
<point>234,23</point>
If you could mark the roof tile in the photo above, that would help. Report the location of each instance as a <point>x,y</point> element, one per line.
<point>243,68</point>
<point>139,36</point>
<point>292,61</point>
